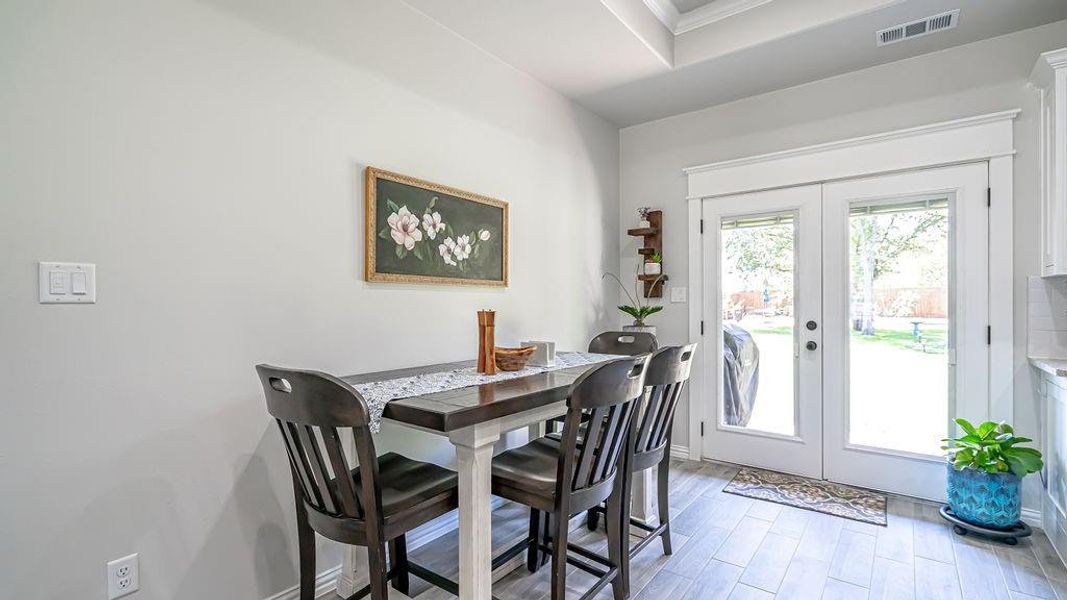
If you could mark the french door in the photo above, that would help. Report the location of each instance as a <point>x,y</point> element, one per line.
<point>849,325</point>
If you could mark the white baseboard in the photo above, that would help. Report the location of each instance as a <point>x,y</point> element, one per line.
<point>1032,518</point>
<point>325,584</point>
<point>681,452</point>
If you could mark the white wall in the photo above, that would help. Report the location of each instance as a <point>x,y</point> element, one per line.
<point>207,156</point>
<point>968,80</point>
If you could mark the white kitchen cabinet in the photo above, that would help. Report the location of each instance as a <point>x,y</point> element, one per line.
<point>1049,79</point>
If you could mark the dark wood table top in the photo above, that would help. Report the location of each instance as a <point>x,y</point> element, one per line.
<point>454,409</point>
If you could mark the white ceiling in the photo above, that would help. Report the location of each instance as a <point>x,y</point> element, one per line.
<point>626,62</point>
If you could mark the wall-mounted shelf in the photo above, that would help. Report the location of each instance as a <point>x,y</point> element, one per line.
<point>653,244</point>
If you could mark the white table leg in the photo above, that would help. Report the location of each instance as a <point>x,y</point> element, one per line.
<point>474,460</point>
<point>644,506</point>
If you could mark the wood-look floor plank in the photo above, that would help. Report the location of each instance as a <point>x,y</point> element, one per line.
<point>979,571</point>
<point>1050,561</point>
<point>836,589</point>
<point>744,540</point>
<point>805,578</point>
<point>769,564</point>
<point>664,586</point>
<point>696,515</point>
<point>892,580</point>
<point>1022,573</point>
<point>791,521</point>
<point>696,553</point>
<point>933,536</point>
<point>936,580</point>
<point>896,540</point>
<point>820,537</point>
<point>744,592</point>
<point>853,560</point>
<point>715,581</point>
<point>768,511</point>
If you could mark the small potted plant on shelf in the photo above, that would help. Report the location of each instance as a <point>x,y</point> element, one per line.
<point>985,470</point>
<point>636,309</point>
<point>654,266</point>
<point>642,212</point>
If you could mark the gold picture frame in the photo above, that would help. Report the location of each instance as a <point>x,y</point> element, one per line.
<point>423,243</point>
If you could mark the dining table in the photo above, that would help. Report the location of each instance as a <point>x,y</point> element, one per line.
<point>473,418</point>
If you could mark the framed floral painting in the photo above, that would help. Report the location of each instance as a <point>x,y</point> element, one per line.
<point>422,232</point>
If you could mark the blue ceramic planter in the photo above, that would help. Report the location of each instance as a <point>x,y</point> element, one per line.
<point>985,499</point>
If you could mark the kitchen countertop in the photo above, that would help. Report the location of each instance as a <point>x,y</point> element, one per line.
<point>1052,366</point>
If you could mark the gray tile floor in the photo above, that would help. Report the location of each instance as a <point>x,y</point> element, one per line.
<point>727,546</point>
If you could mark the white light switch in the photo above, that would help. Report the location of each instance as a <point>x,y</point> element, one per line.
<point>67,283</point>
<point>57,282</point>
<point>78,283</point>
<point>678,294</point>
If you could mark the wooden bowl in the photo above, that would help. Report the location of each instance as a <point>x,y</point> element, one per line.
<point>512,359</point>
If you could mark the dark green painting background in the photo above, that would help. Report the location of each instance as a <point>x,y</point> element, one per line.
<point>464,216</point>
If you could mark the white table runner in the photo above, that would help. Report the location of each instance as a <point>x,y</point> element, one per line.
<point>378,393</point>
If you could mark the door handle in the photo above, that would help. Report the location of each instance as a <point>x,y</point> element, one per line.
<point>811,345</point>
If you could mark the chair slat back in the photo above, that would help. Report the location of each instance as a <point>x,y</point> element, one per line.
<point>628,343</point>
<point>600,407</point>
<point>310,408</point>
<point>668,372</point>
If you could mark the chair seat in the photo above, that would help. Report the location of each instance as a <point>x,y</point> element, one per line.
<point>407,483</point>
<point>531,467</point>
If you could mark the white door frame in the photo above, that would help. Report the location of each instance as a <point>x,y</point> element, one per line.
<point>972,139</point>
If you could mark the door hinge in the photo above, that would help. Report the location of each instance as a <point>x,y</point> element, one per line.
<point>702,328</point>
<point>989,196</point>
<point>988,335</point>
<point>702,429</point>
<point>702,226</point>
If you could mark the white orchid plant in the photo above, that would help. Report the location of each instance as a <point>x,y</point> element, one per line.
<point>418,236</point>
<point>636,309</point>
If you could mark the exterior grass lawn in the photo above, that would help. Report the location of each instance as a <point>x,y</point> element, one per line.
<point>933,335</point>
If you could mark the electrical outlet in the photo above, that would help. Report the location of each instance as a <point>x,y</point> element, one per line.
<point>122,577</point>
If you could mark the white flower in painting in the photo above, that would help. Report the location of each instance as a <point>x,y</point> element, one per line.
<point>446,251</point>
<point>463,247</point>
<point>405,228</point>
<point>431,222</point>
<point>483,235</point>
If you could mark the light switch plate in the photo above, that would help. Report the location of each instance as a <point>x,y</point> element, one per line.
<point>67,283</point>
<point>679,294</point>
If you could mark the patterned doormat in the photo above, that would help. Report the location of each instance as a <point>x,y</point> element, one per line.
<point>810,494</point>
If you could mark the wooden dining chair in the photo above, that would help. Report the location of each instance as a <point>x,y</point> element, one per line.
<point>668,372</point>
<point>628,343</point>
<point>562,478</point>
<point>372,505</point>
<point>624,343</point>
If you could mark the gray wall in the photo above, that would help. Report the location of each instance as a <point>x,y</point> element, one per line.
<point>208,158</point>
<point>969,80</point>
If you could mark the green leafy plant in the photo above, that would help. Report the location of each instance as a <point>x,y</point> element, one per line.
<point>991,447</point>
<point>655,258</point>
<point>636,309</point>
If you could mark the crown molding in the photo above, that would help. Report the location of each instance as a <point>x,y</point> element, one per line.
<point>714,12</point>
<point>679,23</point>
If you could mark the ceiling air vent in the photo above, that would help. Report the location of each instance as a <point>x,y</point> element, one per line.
<point>914,29</point>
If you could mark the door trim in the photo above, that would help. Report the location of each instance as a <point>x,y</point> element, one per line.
<point>972,139</point>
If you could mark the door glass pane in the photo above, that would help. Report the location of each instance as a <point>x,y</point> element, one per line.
<point>758,283</point>
<point>899,324</point>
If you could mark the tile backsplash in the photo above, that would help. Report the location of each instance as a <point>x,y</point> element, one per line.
<point>1046,314</point>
